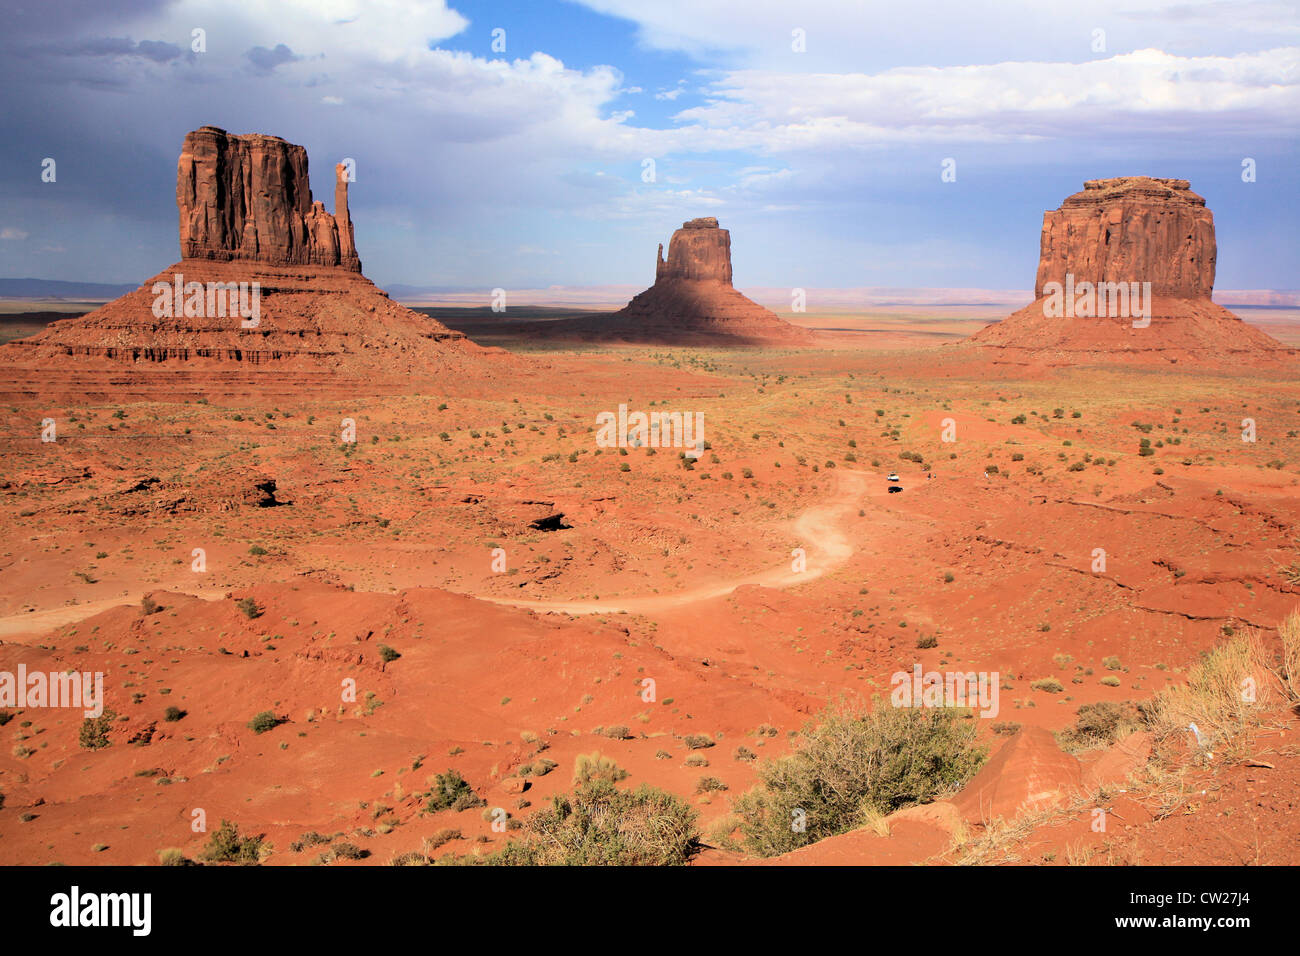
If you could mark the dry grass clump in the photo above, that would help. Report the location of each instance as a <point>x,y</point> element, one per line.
<point>1225,696</point>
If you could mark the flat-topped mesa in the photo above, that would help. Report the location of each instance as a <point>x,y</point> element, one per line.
<point>698,251</point>
<point>1131,229</point>
<point>248,197</point>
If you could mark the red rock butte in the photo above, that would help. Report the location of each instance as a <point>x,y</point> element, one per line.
<point>247,217</point>
<point>1153,238</point>
<point>249,198</point>
<point>692,301</point>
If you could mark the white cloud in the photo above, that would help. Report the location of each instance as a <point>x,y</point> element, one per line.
<point>12,233</point>
<point>846,36</point>
<point>1145,90</point>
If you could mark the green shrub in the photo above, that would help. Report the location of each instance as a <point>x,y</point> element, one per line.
<point>227,846</point>
<point>249,607</point>
<point>173,714</point>
<point>263,722</point>
<point>600,825</point>
<point>387,654</point>
<point>94,731</point>
<point>451,791</point>
<point>879,761</point>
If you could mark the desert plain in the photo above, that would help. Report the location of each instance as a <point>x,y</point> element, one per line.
<point>620,567</point>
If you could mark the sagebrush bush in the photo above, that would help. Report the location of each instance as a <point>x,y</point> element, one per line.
<point>1101,724</point>
<point>600,825</point>
<point>593,768</point>
<point>227,846</point>
<point>93,734</point>
<point>880,761</point>
<point>451,791</point>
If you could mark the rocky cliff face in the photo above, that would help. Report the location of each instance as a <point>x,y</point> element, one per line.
<point>1131,229</point>
<point>699,250</point>
<point>249,198</point>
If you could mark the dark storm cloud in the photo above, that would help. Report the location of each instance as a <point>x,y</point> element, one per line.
<point>155,50</point>
<point>267,60</point>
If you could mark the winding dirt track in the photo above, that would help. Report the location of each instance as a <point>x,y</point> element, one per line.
<point>819,531</point>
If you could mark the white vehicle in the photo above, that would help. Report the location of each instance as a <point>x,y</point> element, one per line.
<point>893,477</point>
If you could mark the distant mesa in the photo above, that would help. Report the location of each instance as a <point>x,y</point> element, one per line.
<point>1125,272</point>
<point>691,302</point>
<point>248,225</point>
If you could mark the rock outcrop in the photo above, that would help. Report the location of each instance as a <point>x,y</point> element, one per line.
<point>249,198</point>
<point>267,278</point>
<point>698,251</point>
<point>692,301</point>
<point>1131,229</point>
<point>1125,272</point>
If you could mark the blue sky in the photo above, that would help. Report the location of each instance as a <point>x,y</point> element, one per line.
<point>523,168</point>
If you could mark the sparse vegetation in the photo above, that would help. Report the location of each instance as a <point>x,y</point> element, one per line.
<point>886,759</point>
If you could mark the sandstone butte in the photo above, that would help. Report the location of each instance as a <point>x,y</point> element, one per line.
<point>691,302</point>
<point>1133,229</point>
<point>247,216</point>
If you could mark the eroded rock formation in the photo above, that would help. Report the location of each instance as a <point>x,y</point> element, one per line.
<point>1131,229</point>
<point>699,251</point>
<point>250,233</point>
<point>248,197</point>
<point>1125,272</point>
<point>692,300</point>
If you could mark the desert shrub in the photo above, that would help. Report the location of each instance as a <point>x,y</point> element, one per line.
<point>745,754</point>
<point>347,851</point>
<point>697,741</point>
<point>1005,728</point>
<point>600,825</point>
<point>174,857</point>
<point>149,606</point>
<point>451,791</point>
<point>1101,724</point>
<point>697,760</point>
<point>249,607</point>
<point>926,642</point>
<point>709,785</point>
<point>227,846</point>
<point>173,714</point>
<point>387,654</point>
<point>94,731</point>
<point>882,761</point>
<point>1049,685</point>
<point>409,859</point>
<point>617,732</point>
<point>443,836</point>
<point>264,721</point>
<point>592,768</point>
<point>310,838</point>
